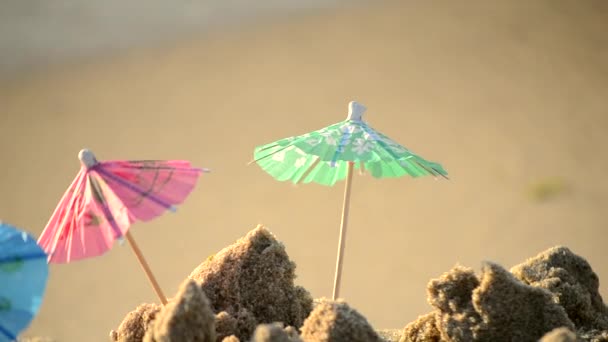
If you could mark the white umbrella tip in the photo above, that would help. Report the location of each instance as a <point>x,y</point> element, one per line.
<point>355,110</point>
<point>87,158</point>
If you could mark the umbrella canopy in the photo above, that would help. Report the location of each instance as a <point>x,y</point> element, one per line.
<point>330,154</point>
<point>322,156</point>
<point>23,276</point>
<point>106,197</point>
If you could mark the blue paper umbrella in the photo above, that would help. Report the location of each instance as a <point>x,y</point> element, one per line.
<point>23,276</point>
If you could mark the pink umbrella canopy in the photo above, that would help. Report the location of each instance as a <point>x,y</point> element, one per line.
<point>104,200</point>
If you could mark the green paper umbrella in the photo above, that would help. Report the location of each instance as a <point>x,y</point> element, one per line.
<point>332,153</point>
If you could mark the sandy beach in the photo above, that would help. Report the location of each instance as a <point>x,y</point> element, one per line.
<point>511,98</point>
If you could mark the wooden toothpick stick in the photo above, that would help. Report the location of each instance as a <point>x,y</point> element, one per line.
<point>144,265</point>
<point>343,225</point>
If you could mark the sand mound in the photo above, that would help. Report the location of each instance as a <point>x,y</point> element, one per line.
<point>508,308</point>
<point>248,283</point>
<point>225,325</point>
<point>422,329</point>
<point>556,289</point>
<point>253,281</point>
<point>187,318</point>
<point>573,284</point>
<point>246,292</point>
<point>337,321</point>
<point>495,307</point>
<point>275,333</point>
<point>134,326</point>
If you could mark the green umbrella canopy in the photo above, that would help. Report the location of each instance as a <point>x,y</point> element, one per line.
<point>332,153</point>
<point>322,156</point>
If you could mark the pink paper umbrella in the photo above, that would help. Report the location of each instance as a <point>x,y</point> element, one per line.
<point>106,198</point>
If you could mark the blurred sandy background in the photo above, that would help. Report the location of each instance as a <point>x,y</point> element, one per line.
<point>510,96</point>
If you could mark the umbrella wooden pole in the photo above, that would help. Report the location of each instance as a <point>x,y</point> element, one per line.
<point>144,265</point>
<point>343,225</point>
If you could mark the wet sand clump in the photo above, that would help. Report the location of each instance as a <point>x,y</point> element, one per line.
<point>422,329</point>
<point>337,321</point>
<point>248,283</point>
<point>240,325</point>
<point>572,283</point>
<point>546,296</point>
<point>495,307</point>
<point>509,308</point>
<point>246,292</point>
<point>187,318</point>
<point>225,325</point>
<point>253,281</point>
<point>275,333</point>
<point>135,324</point>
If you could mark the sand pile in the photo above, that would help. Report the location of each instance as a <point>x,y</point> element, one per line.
<point>252,282</point>
<point>246,292</point>
<point>556,292</point>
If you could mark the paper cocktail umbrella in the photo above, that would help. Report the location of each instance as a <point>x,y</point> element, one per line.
<point>23,276</point>
<point>332,153</point>
<point>104,200</point>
